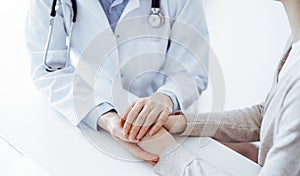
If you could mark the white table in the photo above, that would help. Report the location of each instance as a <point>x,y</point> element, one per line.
<point>15,163</point>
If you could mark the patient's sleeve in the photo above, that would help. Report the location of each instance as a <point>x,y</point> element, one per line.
<point>231,126</point>
<point>177,161</point>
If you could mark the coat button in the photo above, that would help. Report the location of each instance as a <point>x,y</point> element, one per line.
<point>118,36</point>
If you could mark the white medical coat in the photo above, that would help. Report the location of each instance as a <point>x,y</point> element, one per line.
<point>171,58</point>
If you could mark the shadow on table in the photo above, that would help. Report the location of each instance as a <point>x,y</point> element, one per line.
<point>248,150</point>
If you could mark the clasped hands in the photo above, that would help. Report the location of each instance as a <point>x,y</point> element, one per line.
<point>144,129</point>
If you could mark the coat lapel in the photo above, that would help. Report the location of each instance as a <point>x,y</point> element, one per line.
<point>132,4</point>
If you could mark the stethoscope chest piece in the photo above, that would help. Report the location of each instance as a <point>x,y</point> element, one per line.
<point>155,19</point>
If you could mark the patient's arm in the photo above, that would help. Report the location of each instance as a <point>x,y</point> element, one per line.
<point>241,125</point>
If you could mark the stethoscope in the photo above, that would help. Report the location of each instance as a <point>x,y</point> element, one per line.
<point>155,20</point>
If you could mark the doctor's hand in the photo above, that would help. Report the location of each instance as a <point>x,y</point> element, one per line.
<point>142,114</point>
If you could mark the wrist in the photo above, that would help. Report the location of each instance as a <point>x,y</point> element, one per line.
<point>106,120</point>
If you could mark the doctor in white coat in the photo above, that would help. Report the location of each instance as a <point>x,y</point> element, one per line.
<point>165,65</point>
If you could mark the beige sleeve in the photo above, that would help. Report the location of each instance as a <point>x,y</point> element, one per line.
<point>231,126</point>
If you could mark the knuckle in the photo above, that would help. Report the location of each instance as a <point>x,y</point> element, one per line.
<point>153,103</point>
<point>147,108</point>
<point>148,123</point>
<point>129,121</point>
<point>138,123</point>
<point>134,111</point>
<point>142,101</point>
<point>127,126</point>
<point>131,117</point>
<point>167,109</point>
<point>135,129</point>
<point>141,116</point>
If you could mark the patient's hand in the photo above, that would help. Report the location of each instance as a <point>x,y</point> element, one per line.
<point>139,152</point>
<point>157,143</point>
<point>110,123</point>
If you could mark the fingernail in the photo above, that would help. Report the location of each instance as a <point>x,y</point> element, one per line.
<point>125,132</point>
<point>151,133</point>
<point>156,159</point>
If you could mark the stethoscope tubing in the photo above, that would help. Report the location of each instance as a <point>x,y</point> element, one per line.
<point>155,9</point>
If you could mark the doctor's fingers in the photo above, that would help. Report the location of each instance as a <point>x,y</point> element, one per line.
<point>151,119</point>
<point>162,119</point>
<point>139,122</point>
<point>124,117</point>
<point>133,114</point>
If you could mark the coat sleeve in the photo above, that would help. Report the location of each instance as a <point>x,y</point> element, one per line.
<point>187,55</point>
<point>241,125</point>
<point>67,92</point>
